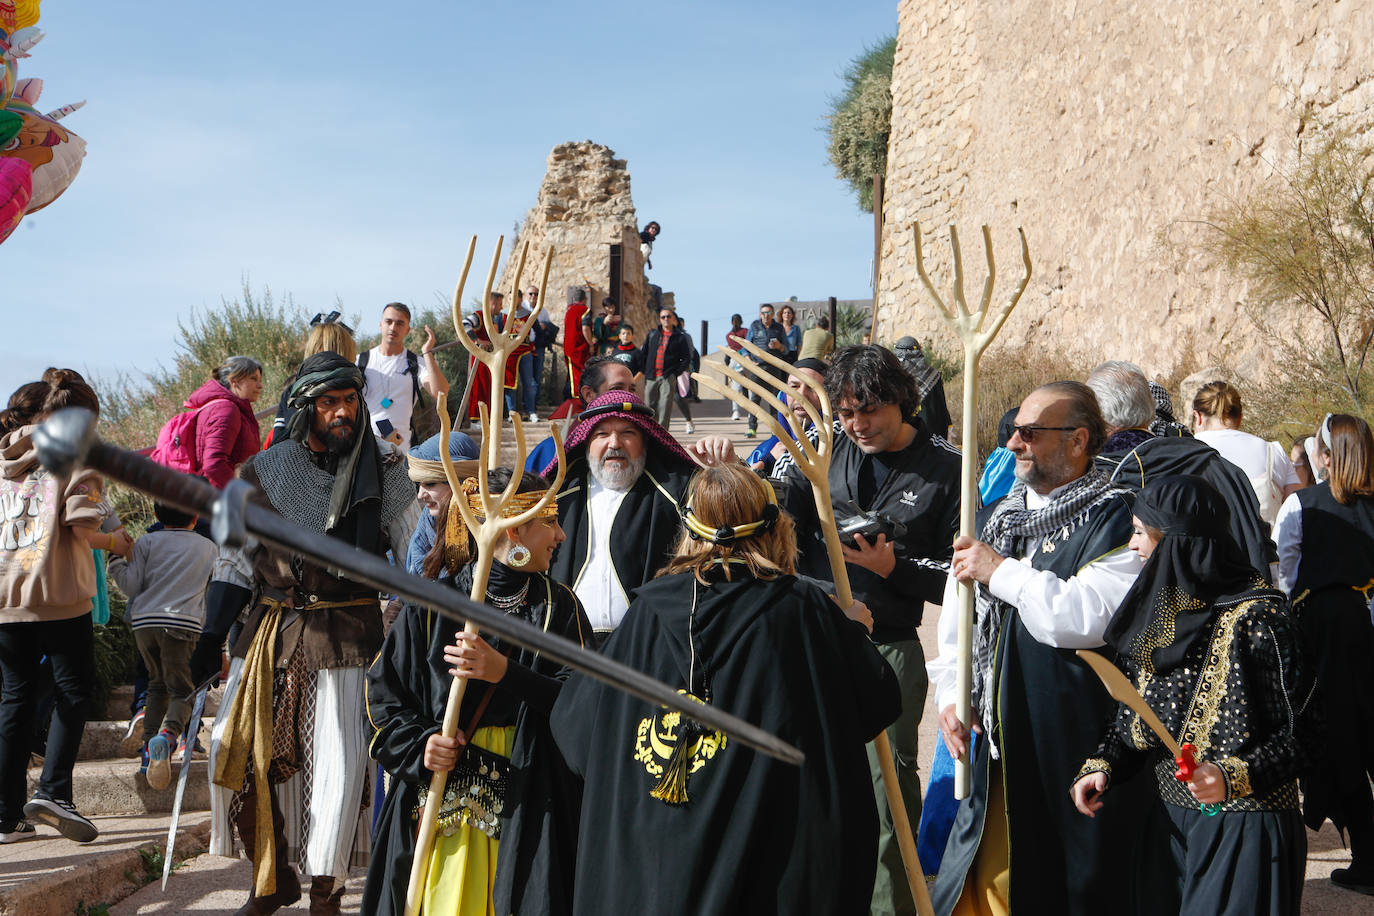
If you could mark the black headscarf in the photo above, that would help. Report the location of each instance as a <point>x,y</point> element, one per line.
<point>358,475</point>
<point>1006,427</point>
<point>1196,566</point>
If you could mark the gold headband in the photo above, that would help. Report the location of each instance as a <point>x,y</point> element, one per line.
<point>519,503</point>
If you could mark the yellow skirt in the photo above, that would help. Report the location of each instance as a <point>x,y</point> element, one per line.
<point>462,868</point>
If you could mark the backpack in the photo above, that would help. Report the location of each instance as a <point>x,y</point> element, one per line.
<point>176,443</point>
<point>418,394</point>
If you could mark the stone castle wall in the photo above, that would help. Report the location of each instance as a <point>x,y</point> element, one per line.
<point>1105,129</point>
<point>584,207</point>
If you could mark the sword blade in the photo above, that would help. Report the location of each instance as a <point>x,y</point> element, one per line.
<point>1123,691</point>
<point>192,727</point>
<point>68,437</point>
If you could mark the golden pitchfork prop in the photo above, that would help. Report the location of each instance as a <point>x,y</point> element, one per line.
<point>814,462</point>
<point>488,531</point>
<point>969,326</point>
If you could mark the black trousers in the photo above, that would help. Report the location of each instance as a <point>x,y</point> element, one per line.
<point>70,646</point>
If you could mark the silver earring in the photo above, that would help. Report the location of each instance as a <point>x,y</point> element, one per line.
<point>519,556</point>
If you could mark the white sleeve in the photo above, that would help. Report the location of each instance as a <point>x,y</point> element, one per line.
<point>1284,474</point>
<point>943,669</point>
<point>1288,538</point>
<point>1072,613</point>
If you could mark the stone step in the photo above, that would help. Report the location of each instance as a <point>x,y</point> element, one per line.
<point>101,787</point>
<point>102,740</point>
<point>117,706</point>
<point>49,875</point>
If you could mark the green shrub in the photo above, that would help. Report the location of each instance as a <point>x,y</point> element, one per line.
<point>861,119</point>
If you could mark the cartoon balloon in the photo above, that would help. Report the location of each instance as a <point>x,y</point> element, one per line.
<point>16,187</point>
<point>52,152</point>
<point>18,14</point>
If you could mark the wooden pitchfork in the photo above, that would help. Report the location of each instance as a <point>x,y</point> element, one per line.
<point>490,530</point>
<point>814,462</point>
<point>969,326</point>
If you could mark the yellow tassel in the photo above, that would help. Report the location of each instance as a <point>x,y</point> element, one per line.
<point>672,788</point>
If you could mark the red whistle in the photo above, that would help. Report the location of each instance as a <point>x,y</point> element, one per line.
<point>1186,763</point>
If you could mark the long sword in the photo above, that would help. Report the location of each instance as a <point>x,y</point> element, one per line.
<point>1123,691</point>
<point>67,439</point>
<point>189,735</point>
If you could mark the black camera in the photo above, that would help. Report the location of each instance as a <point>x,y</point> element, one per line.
<point>870,524</point>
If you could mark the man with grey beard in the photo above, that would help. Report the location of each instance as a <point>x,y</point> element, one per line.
<point>619,503</point>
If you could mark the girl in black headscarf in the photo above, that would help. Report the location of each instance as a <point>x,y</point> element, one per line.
<point>1209,645</point>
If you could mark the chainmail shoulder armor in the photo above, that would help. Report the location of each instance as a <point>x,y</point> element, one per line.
<point>299,489</point>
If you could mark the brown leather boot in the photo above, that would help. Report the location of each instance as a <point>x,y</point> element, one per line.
<point>288,885</point>
<point>288,892</point>
<point>325,899</point>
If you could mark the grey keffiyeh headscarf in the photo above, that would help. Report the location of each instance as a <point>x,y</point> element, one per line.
<point>357,477</point>
<point>913,359</point>
<point>1011,531</point>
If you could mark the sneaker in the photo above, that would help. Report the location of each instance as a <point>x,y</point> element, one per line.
<point>159,759</point>
<point>1361,881</point>
<point>143,760</point>
<point>133,736</point>
<point>734,415</point>
<point>750,434</point>
<point>534,418</point>
<point>691,429</point>
<point>19,830</point>
<point>181,747</point>
<point>63,816</point>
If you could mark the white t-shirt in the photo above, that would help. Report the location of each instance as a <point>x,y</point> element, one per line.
<point>1253,455</point>
<point>389,392</point>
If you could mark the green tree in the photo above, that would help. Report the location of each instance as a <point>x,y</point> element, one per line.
<point>860,120</point>
<point>1305,242</point>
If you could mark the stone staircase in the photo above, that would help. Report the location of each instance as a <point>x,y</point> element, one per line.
<point>106,782</point>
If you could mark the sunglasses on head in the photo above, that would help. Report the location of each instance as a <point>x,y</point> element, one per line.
<point>1028,433</point>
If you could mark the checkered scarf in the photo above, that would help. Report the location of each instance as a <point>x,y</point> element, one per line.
<point>1011,531</point>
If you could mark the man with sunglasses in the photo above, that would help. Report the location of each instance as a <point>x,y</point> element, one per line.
<point>888,465</point>
<point>666,355</point>
<point>766,334</point>
<point>1049,571</point>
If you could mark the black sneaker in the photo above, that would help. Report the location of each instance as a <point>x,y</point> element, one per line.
<point>16,831</point>
<point>1361,881</point>
<point>63,816</point>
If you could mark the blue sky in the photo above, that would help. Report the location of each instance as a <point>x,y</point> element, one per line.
<point>347,151</point>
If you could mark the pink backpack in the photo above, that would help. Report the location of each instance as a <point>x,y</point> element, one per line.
<point>176,443</point>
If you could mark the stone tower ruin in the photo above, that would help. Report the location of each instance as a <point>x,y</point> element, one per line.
<point>585,211</point>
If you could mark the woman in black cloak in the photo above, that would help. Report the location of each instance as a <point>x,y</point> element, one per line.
<point>1211,648</point>
<point>507,782</point>
<point>1325,535</point>
<point>680,820</point>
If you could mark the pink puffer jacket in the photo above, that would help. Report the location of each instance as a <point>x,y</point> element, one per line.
<point>227,433</point>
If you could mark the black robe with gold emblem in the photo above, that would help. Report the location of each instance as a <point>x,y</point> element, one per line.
<point>755,836</point>
<point>407,690</point>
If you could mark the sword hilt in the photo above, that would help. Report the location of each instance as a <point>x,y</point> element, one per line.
<point>1187,763</point>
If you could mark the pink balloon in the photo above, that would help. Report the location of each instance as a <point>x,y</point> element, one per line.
<point>16,188</point>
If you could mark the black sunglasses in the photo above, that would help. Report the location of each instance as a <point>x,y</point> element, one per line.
<point>1027,433</point>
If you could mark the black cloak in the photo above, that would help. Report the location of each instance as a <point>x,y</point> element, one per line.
<point>645,529</point>
<point>407,690</point>
<point>756,836</point>
<point>1161,457</point>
